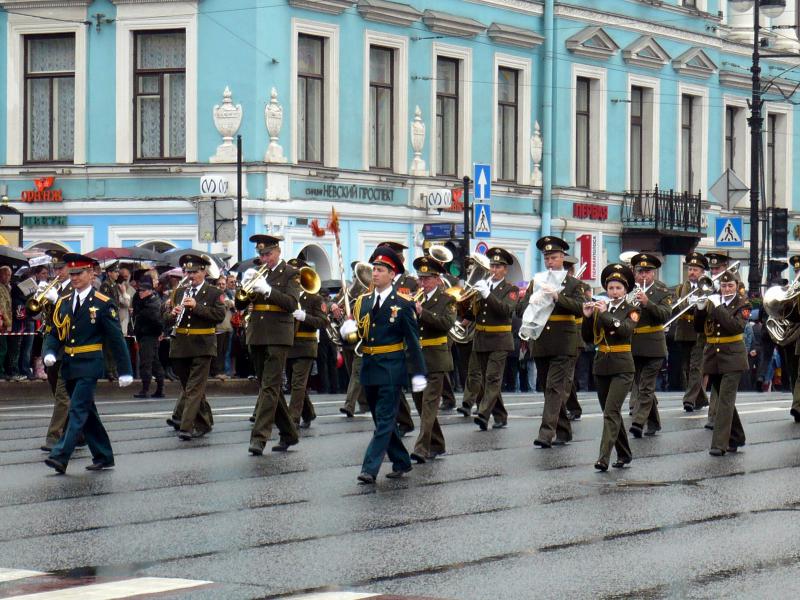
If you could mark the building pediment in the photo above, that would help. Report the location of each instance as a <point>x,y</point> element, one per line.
<point>645,52</point>
<point>449,24</point>
<point>393,13</point>
<point>514,36</point>
<point>694,62</point>
<point>592,42</point>
<point>333,7</point>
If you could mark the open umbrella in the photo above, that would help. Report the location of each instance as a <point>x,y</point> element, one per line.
<point>106,253</point>
<point>13,258</point>
<point>242,266</point>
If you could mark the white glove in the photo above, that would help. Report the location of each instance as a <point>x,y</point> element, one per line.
<point>261,286</point>
<point>125,380</point>
<point>49,360</point>
<point>701,302</point>
<point>249,274</point>
<point>51,295</point>
<point>348,327</point>
<point>418,383</point>
<point>299,314</point>
<point>483,288</point>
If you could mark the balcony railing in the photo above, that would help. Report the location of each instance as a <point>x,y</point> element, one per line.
<point>662,211</point>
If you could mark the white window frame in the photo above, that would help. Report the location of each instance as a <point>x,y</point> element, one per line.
<point>464,57</point>
<point>651,134</point>
<point>330,120</point>
<point>598,115</point>
<point>153,17</point>
<point>783,151</point>
<point>742,146</point>
<point>699,136</point>
<point>400,98</point>
<point>524,85</point>
<point>83,234</point>
<point>18,27</point>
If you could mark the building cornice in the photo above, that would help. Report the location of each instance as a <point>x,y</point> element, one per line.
<point>332,7</point>
<point>449,24</point>
<point>393,13</point>
<point>514,36</point>
<point>11,5</point>
<point>523,6</point>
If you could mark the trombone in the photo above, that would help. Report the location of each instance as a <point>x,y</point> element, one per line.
<point>244,292</point>
<point>705,289</point>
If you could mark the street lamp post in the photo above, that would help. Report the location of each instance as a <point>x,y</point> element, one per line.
<point>770,8</point>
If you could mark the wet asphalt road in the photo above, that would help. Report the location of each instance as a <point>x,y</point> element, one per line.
<point>494,519</point>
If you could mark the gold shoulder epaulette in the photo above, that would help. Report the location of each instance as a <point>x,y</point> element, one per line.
<point>101,297</point>
<point>407,297</point>
<point>65,296</point>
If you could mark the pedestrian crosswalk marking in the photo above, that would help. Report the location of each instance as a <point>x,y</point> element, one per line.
<point>14,574</point>
<point>109,590</point>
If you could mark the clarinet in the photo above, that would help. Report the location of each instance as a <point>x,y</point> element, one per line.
<point>177,324</point>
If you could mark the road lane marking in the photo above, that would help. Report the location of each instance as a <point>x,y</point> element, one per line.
<point>334,596</point>
<point>112,590</point>
<point>14,574</point>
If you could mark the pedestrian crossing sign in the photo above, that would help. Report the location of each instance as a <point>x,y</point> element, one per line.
<point>482,221</point>
<point>729,232</point>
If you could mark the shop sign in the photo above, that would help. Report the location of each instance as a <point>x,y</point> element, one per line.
<point>314,190</point>
<point>43,191</point>
<point>52,221</point>
<point>588,249</point>
<point>595,212</point>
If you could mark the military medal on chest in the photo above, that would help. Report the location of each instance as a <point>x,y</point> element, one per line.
<point>93,314</point>
<point>395,309</point>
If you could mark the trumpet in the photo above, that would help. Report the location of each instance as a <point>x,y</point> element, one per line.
<point>244,292</point>
<point>39,302</point>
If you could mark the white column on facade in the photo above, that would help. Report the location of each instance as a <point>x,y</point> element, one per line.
<point>786,39</point>
<point>741,25</point>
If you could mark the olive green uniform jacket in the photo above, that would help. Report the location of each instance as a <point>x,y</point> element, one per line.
<point>723,327</point>
<point>271,321</point>
<point>611,332</point>
<point>204,317</point>
<point>559,337</point>
<point>437,317</point>
<point>648,338</point>
<point>493,319</point>
<point>305,337</point>
<point>684,326</point>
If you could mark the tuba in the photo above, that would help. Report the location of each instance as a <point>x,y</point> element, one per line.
<point>478,270</point>
<point>441,254</point>
<point>212,272</point>
<point>362,281</point>
<point>781,306</point>
<point>309,280</point>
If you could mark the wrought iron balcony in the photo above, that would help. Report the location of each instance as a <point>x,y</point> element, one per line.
<point>663,212</point>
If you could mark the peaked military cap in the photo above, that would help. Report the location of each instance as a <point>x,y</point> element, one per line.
<point>386,256</point>
<point>297,263</point>
<point>570,260</point>
<point>695,259</point>
<point>78,262</point>
<point>265,243</point>
<point>715,259</point>
<point>499,256</point>
<point>617,272</point>
<point>427,267</point>
<point>645,261</point>
<point>795,261</point>
<point>192,262</point>
<point>396,246</point>
<point>728,277</point>
<point>551,243</point>
<point>57,256</point>
<point>114,266</point>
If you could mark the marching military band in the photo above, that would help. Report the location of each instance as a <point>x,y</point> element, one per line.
<point>396,332</point>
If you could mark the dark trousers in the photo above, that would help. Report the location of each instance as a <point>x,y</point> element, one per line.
<point>383,403</point>
<point>271,408</point>
<point>611,391</point>
<point>355,391</point>
<point>404,420</point>
<point>492,365</point>
<point>326,367</point>
<point>83,417</point>
<point>695,395</point>
<point>149,363</point>
<point>644,382</point>
<point>300,405</point>
<point>728,430</point>
<point>573,406</point>
<point>556,373</point>
<point>430,441</point>
<point>218,364</point>
<point>58,421</point>
<point>193,408</point>
<point>448,398</point>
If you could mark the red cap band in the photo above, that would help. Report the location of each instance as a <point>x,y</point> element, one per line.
<point>386,260</point>
<point>79,264</point>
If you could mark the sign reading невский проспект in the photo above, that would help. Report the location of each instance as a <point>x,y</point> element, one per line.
<point>316,190</point>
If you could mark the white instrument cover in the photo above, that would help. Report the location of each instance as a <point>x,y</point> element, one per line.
<point>541,303</point>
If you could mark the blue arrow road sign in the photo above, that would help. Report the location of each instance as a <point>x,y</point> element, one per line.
<point>482,176</point>
<point>729,232</point>
<point>482,220</point>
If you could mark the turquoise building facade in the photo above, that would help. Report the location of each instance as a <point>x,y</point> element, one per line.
<point>372,107</point>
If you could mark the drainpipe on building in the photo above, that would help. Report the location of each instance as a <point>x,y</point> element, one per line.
<point>548,69</point>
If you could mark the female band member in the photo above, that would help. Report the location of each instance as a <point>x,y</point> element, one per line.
<point>609,326</point>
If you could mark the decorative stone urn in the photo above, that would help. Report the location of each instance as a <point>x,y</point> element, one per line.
<point>227,119</point>
<point>536,155</point>
<point>273,116</point>
<point>417,143</point>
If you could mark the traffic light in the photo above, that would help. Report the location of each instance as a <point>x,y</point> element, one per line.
<point>458,266</point>
<point>780,232</point>
<point>775,269</point>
